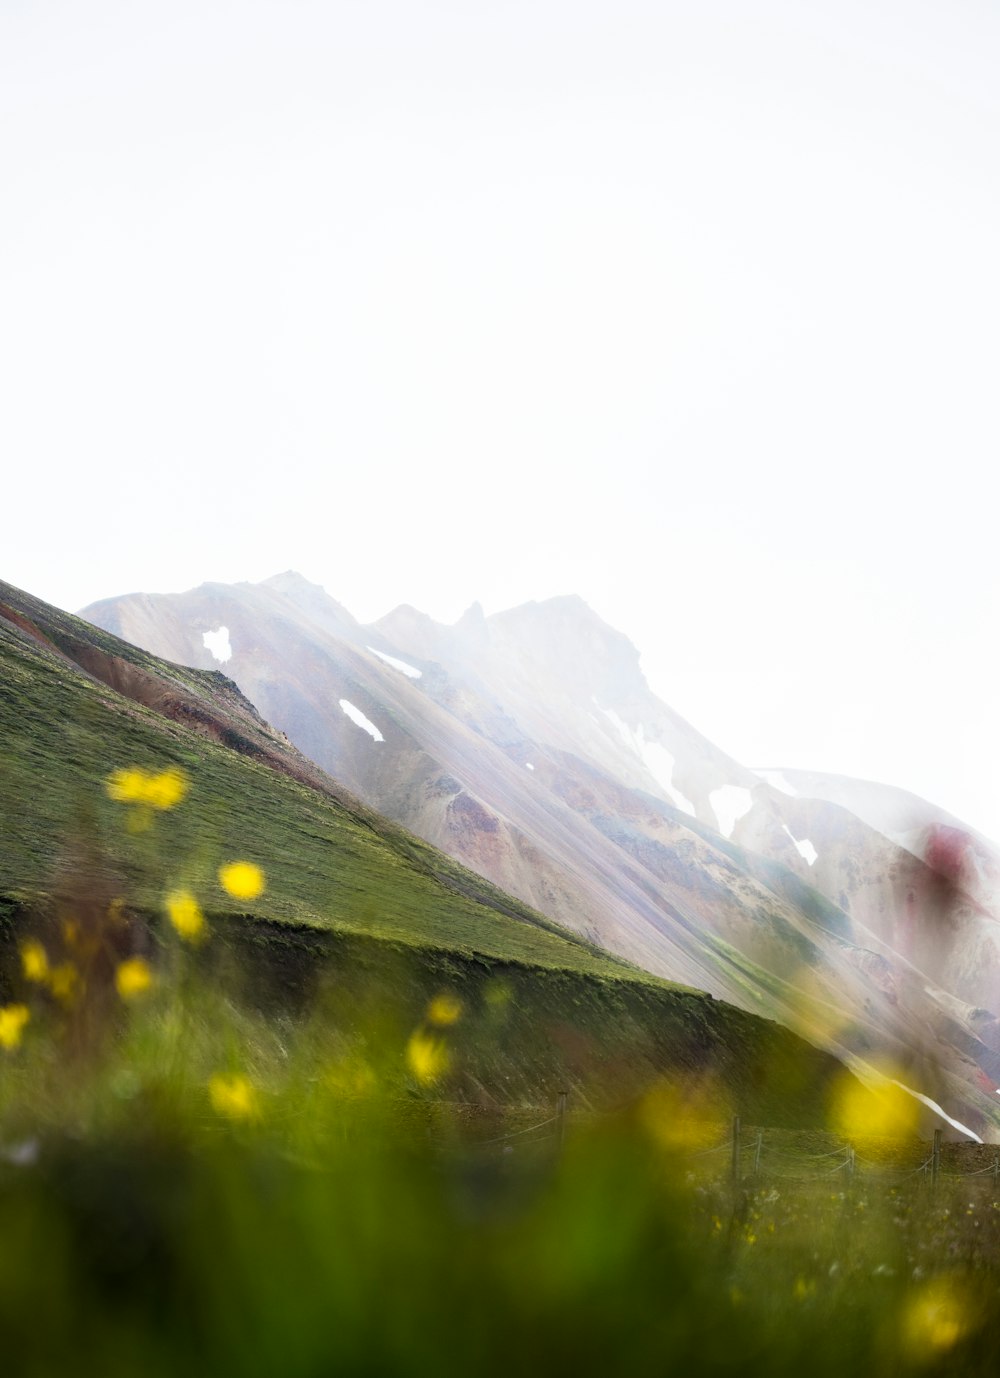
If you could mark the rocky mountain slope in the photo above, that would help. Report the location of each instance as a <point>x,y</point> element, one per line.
<point>528,746</point>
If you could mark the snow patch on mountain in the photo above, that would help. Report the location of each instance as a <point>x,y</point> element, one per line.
<point>933,1105</point>
<point>218,643</point>
<point>410,671</point>
<point>805,847</point>
<point>356,716</point>
<point>777,780</point>
<point>656,758</point>
<point>729,804</point>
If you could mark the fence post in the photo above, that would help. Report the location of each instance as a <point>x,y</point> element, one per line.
<point>996,1170</point>
<point>936,1158</point>
<point>736,1148</point>
<point>850,1162</point>
<point>757,1152</point>
<point>561,1116</point>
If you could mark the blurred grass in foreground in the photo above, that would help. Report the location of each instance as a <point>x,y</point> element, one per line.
<point>217,1192</point>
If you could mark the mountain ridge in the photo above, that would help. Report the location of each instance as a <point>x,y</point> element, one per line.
<point>528,745</point>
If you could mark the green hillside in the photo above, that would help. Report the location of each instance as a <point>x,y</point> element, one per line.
<point>346,891</point>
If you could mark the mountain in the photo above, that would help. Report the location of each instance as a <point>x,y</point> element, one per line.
<point>347,892</point>
<point>528,746</point>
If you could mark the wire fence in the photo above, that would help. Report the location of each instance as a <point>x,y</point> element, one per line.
<point>750,1155</point>
<point>769,1161</point>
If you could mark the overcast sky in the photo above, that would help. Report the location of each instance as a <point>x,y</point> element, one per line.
<point>690,308</point>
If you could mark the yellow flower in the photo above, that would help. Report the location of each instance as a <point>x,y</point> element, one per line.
<point>12,1021</point>
<point>883,1108</point>
<point>937,1317</point>
<point>159,791</point>
<point>127,786</point>
<point>427,1057</point>
<point>682,1119</point>
<point>133,978</point>
<point>167,789</point>
<point>63,982</point>
<point>34,962</point>
<point>233,1097</point>
<point>242,879</point>
<point>444,1010</point>
<point>184,912</point>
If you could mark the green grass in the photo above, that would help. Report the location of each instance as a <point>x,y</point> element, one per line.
<point>327,864</point>
<point>380,1232</point>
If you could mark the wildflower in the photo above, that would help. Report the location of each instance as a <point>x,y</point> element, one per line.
<point>936,1318</point>
<point>679,1120</point>
<point>884,1109</point>
<point>184,912</point>
<point>444,1010</point>
<point>12,1021</point>
<point>64,981</point>
<point>158,791</point>
<point>127,786</point>
<point>234,1097</point>
<point>133,978</point>
<point>166,790</point>
<point>427,1057</point>
<point>34,961</point>
<point>242,879</point>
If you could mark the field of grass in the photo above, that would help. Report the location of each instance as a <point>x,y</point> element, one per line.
<point>198,1187</point>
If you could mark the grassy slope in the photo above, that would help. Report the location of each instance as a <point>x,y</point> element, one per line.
<point>340,881</point>
<point>327,864</point>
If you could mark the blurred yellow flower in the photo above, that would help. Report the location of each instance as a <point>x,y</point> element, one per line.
<point>427,1057</point>
<point>34,962</point>
<point>127,786</point>
<point>683,1120</point>
<point>184,912</point>
<point>936,1318</point>
<point>886,1109</point>
<point>159,791</point>
<point>12,1021</point>
<point>234,1097</point>
<point>242,879</point>
<point>444,1010</point>
<point>167,789</point>
<point>63,982</point>
<point>133,978</point>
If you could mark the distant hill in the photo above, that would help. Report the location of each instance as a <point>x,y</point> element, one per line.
<point>345,887</point>
<point>528,746</point>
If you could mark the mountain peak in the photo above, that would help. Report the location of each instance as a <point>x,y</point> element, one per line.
<point>308,597</point>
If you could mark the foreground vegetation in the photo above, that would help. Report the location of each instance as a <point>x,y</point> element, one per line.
<point>188,1186</point>
<point>281,1093</point>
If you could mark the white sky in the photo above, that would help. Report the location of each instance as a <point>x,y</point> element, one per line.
<point>690,308</point>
